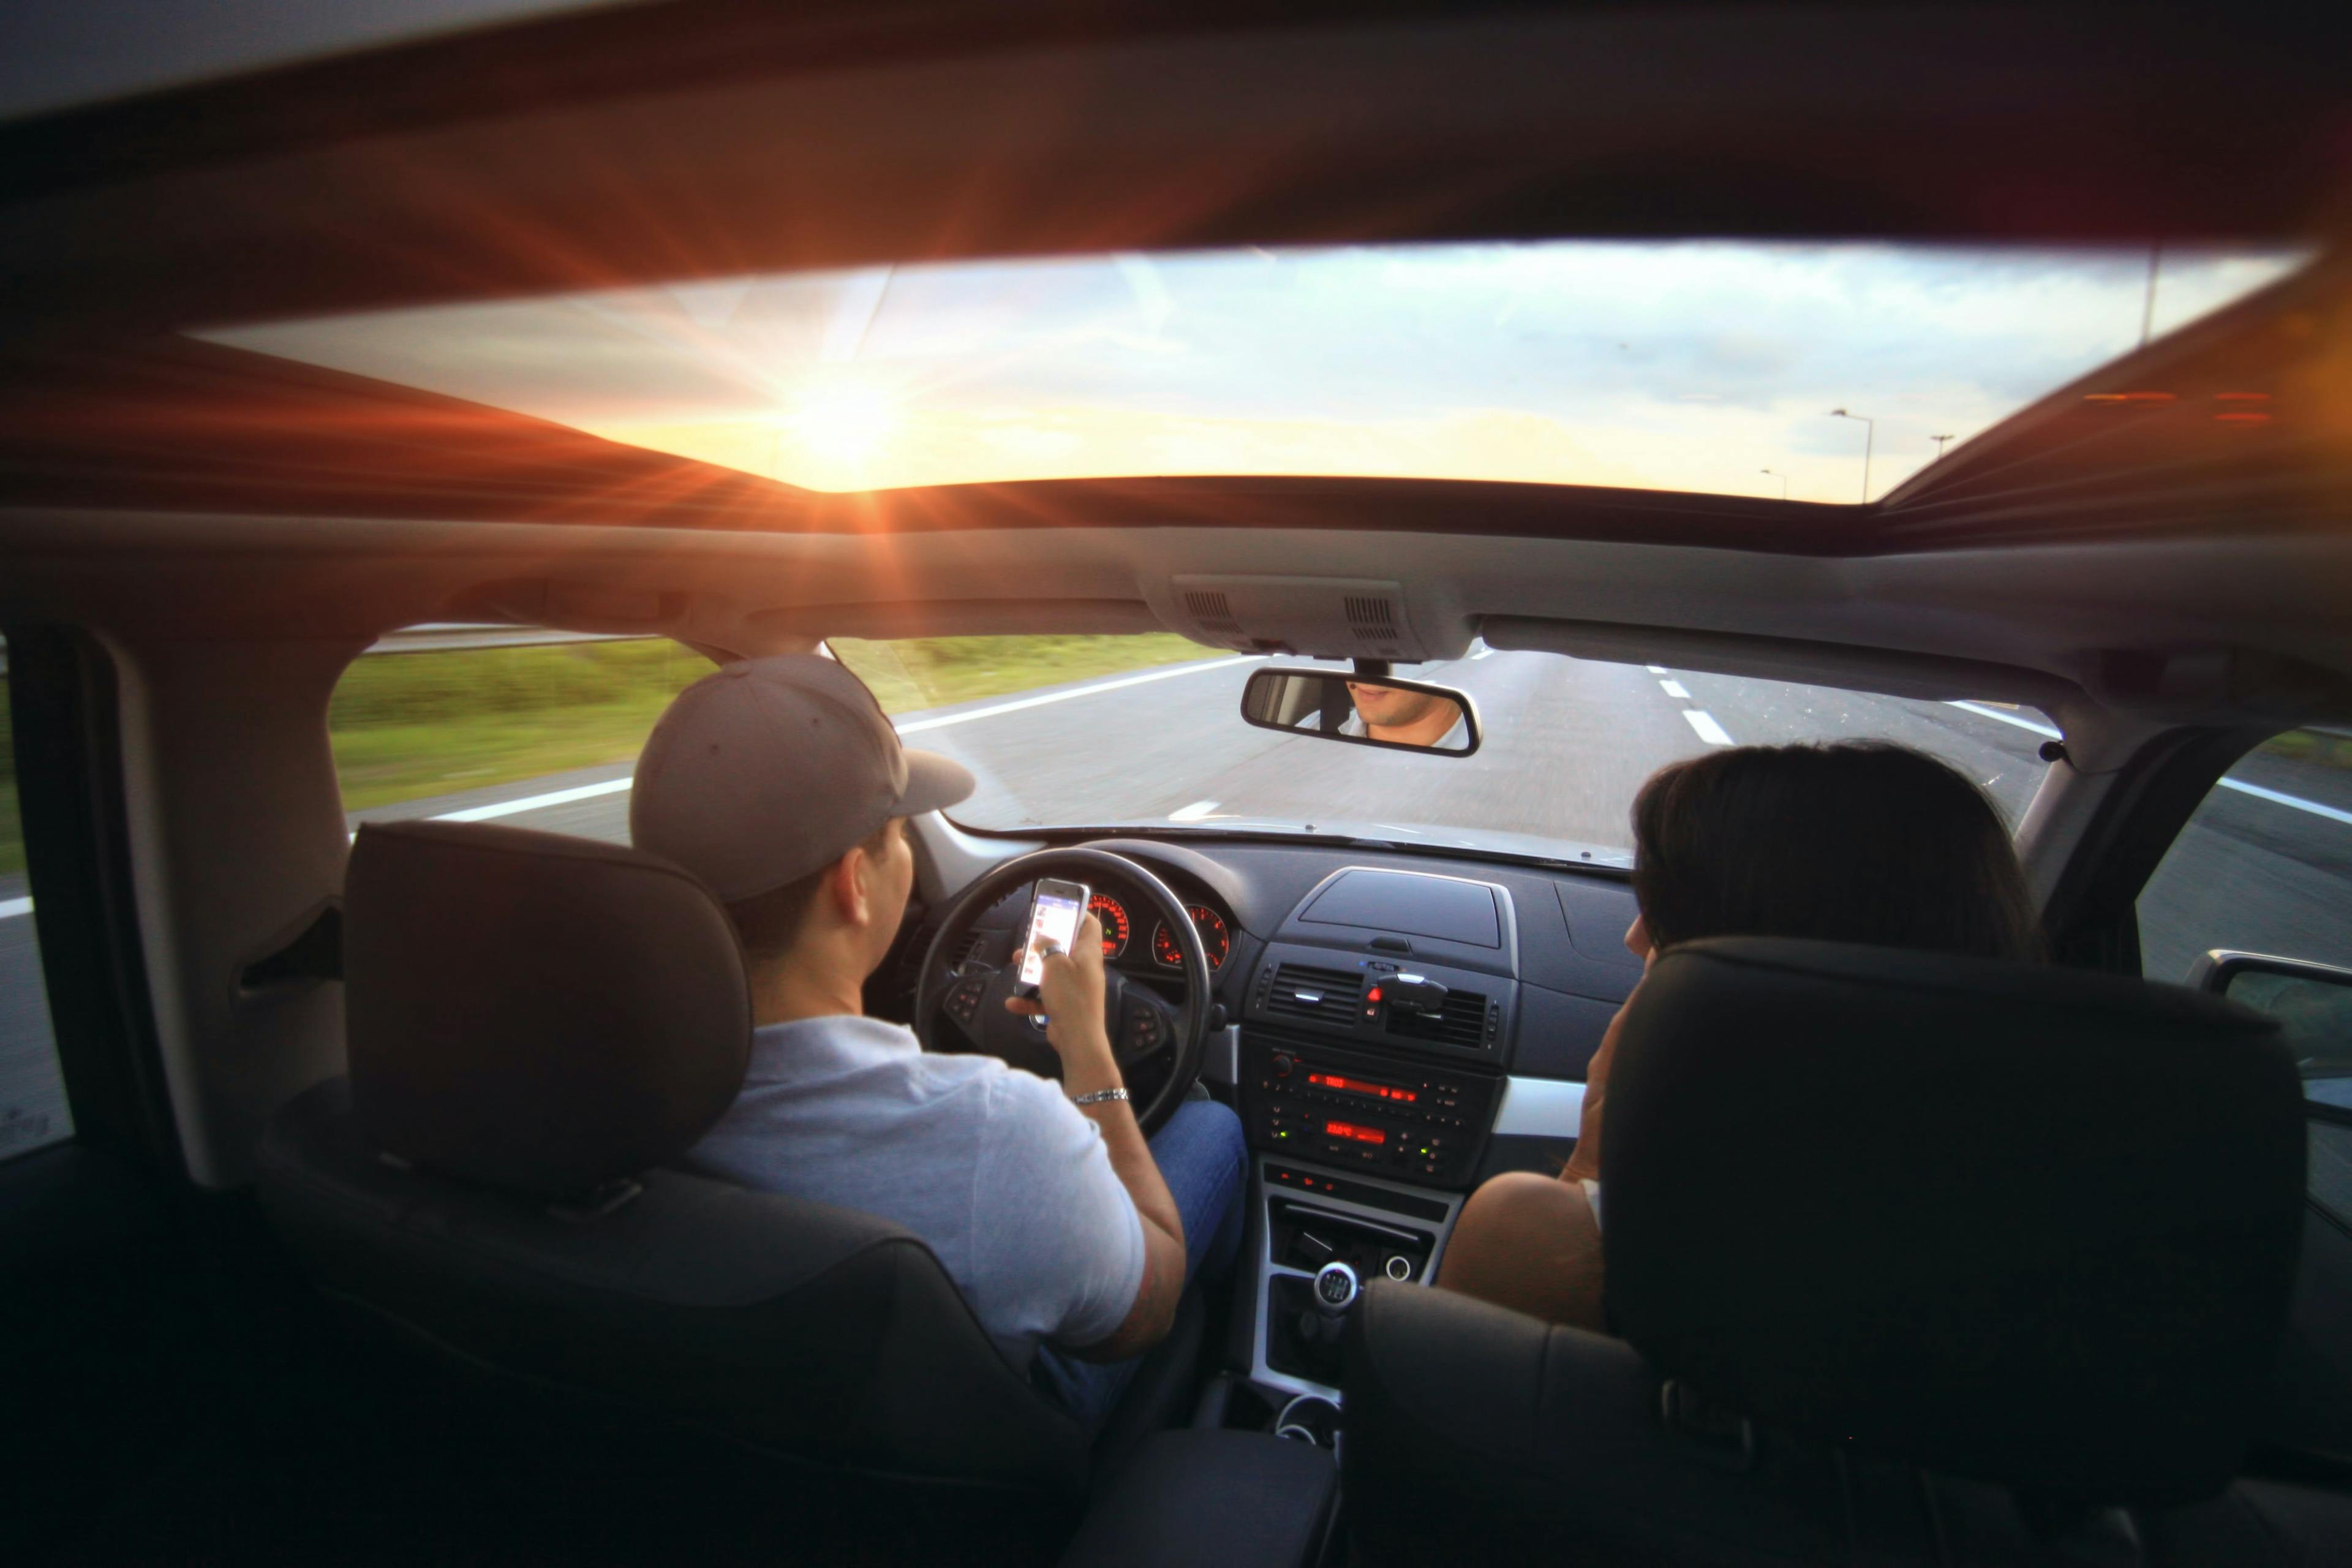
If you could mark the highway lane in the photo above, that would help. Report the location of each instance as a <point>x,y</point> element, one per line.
<point>1569,744</point>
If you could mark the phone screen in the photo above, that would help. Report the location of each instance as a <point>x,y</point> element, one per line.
<point>1054,917</point>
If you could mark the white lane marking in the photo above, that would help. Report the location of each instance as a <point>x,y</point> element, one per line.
<point>11,908</point>
<point>2276,797</point>
<point>1656,668</point>
<point>2019,719</point>
<point>1540,1107</point>
<point>1193,813</point>
<point>535,802</point>
<point>1709,730</point>
<point>1674,688</point>
<point>921,724</point>
<point>1481,653</point>
<point>2296,801</point>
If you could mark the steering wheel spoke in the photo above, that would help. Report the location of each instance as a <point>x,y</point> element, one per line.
<point>1144,1026</point>
<point>967,999</point>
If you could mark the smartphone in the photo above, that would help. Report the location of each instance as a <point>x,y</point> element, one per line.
<point>1054,911</point>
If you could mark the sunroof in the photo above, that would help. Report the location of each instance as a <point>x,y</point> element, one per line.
<point>1698,366</point>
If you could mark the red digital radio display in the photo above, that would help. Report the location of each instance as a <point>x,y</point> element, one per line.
<point>1349,1130</point>
<point>1364,1085</point>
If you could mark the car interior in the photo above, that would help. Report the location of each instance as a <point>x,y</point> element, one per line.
<point>357,1222</point>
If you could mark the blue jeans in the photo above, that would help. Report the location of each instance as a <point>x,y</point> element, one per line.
<point>1203,1159</point>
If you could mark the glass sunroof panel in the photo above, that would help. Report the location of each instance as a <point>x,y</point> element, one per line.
<point>1697,366</point>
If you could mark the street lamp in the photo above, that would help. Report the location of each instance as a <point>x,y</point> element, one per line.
<point>1939,441</point>
<point>1869,435</point>
<point>1780,476</point>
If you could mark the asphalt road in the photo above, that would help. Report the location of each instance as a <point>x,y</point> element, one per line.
<point>1569,744</point>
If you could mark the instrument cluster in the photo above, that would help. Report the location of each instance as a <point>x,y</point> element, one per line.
<point>1122,916</point>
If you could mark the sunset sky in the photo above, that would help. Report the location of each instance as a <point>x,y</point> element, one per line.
<point>1691,366</point>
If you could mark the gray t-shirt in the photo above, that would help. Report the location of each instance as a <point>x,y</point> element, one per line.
<point>1457,738</point>
<point>1005,1179</point>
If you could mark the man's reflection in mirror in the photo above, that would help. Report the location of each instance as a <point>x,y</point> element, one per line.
<point>1405,718</point>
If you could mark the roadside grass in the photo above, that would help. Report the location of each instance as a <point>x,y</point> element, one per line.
<point>938,672</point>
<point>2334,751</point>
<point>406,726</point>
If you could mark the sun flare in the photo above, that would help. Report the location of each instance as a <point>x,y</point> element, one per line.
<point>843,424</point>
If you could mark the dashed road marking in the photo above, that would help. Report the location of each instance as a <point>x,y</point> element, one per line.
<point>1674,688</point>
<point>1709,730</point>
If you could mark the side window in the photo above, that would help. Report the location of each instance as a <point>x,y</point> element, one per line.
<point>33,1112</point>
<point>539,729</point>
<point>2265,864</point>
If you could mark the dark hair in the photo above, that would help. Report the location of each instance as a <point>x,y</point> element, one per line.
<point>768,923</point>
<point>1858,841</point>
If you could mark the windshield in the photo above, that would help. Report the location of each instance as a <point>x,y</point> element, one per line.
<point>1146,731</point>
<point>1818,373</point>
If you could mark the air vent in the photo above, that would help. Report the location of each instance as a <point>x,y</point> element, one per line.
<point>1373,622</point>
<point>1212,611</point>
<point>963,951</point>
<point>1462,1023</point>
<point>1326,996</point>
<point>1464,1020</point>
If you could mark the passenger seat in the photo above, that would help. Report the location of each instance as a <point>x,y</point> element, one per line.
<point>1915,1259</point>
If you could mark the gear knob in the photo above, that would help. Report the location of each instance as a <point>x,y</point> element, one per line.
<point>1336,1289</point>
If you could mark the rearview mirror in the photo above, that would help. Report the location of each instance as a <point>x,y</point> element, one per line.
<point>1404,715</point>
<point>2312,1002</point>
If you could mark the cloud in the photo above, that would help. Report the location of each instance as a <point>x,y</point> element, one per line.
<point>1687,366</point>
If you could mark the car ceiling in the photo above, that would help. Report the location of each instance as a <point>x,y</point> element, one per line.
<point>2118,518</point>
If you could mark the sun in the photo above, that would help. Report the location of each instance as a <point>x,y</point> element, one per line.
<point>843,424</point>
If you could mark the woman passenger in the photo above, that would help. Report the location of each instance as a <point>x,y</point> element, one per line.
<point>1853,841</point>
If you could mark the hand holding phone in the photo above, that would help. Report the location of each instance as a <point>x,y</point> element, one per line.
<point>1054,911</point>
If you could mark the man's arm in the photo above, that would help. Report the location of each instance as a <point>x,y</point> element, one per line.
<point>1070,993</point>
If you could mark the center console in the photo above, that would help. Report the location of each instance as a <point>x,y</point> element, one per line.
<point>1374,1038</point>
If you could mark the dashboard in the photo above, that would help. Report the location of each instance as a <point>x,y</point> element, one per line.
<point>1123,913</point>
<point>1549,953</point>
<point>1136,938</point>
<point>1400,1028</point>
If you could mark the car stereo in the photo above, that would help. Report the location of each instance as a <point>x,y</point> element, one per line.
<point>1413,1120</point>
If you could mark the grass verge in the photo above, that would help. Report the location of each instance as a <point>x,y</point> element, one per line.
<point>406,726</point>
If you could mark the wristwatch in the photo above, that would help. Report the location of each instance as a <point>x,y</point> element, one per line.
<point>1097,1097</point>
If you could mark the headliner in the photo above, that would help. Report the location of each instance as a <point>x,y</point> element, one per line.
<point>643,144</point>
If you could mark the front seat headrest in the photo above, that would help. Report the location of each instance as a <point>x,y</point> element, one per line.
<point>2030,1224</point>
<point>536,1012</point>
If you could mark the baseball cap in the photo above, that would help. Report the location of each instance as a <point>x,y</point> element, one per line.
<point>771,768</point>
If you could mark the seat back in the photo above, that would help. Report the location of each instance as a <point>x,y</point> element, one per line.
<point>537,1024</point>
<point>1886,1232</point>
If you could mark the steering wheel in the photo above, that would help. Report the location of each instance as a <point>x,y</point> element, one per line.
<point>1141,1026</point>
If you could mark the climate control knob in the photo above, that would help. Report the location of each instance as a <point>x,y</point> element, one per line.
<point>1282,1064</point>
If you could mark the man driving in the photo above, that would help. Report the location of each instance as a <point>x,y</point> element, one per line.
<point>1405,718</point>
<point>780,784</point>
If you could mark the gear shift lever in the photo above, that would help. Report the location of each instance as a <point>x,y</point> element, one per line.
<point>1336,1289</point>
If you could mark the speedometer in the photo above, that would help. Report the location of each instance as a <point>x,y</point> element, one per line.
<point>1115,927</point>
<point>1214,938</point>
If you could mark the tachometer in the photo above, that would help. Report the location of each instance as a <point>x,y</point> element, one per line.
<point>1115,928</point>
<point>1214,938</point>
